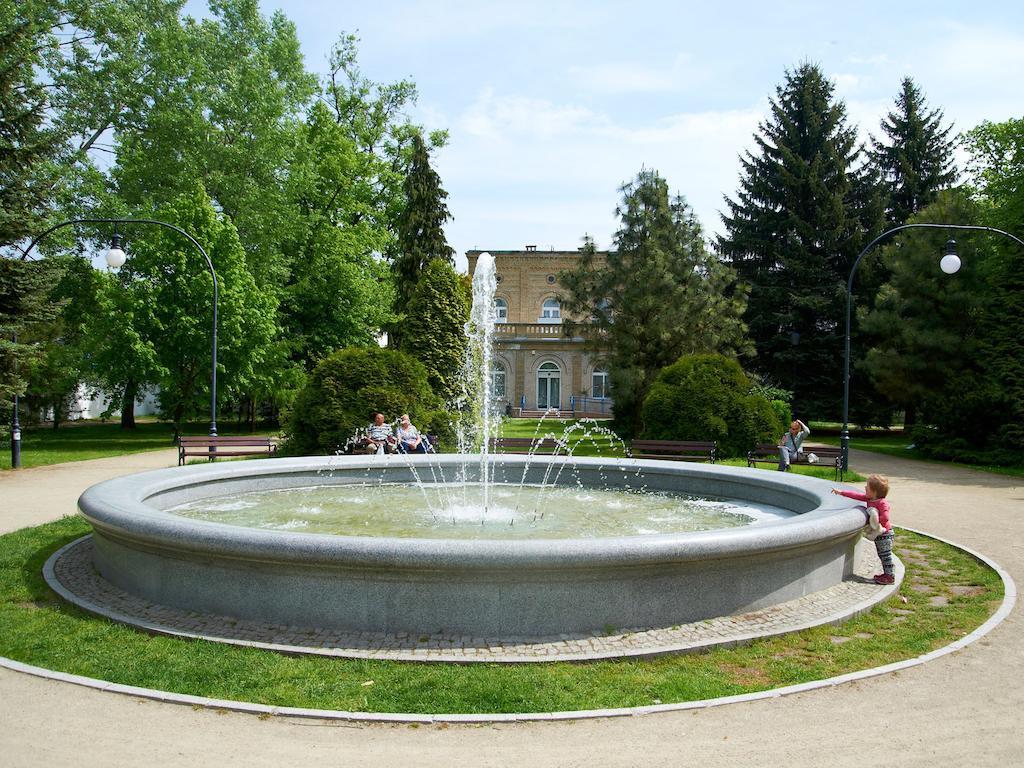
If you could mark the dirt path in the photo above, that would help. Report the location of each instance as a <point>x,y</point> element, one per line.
<point>966,708</point>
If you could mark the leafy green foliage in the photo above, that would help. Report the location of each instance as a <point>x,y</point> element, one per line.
<point>981,416</point>
<point>25,288</point>
<point>434,328</point>
<point>657,295</point>
<point>917,160</point>
<point>346,388</point>
<point>172,298</point>
<point>708,397</point>
<point>797,222</point>
<point>27,147</point>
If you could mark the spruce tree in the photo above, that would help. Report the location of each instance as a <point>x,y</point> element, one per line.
<point>421,223</point>
<point>659,294</point>
<point>917,159</point>
<point>798,220</point>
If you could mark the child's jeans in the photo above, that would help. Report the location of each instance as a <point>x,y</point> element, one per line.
<point>883,546</point>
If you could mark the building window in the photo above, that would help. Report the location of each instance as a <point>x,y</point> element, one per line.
<point>551,279</point>
<point>599,385</point>
<point>603,309</point>
<point>498,379</point>
<point>551,311</point>
<point>501,310</point>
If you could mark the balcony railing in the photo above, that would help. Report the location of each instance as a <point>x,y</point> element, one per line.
<point>529,331</point>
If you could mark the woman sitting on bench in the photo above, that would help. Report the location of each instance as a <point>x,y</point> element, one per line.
<point>790,444</point>
<point>409,438</point>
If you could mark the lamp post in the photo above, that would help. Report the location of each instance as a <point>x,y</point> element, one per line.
<point>116,257</point>
<point>950,264</point>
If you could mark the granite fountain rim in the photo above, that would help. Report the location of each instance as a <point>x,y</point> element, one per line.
<point>120,509</point>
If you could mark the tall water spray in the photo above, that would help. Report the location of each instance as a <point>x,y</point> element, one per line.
<point>478,409</point>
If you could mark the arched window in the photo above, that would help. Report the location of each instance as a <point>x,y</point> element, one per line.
<point>499,378</point>
<point>549,386</point>
<point>501,310</point>
<point>551,311</point>
<point>599,384</point>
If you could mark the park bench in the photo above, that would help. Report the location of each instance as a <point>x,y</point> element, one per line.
<point>827,456</point>
<point>675,450</point>
<point>211,448</point>
<point>544,446</point>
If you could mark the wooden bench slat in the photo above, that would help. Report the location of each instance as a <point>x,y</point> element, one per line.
<point>828,456</point>
<point>523,445</point>
<point>223,446</point>
<point>675,450</point>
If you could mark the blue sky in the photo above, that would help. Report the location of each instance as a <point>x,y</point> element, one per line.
<point>552,105</point>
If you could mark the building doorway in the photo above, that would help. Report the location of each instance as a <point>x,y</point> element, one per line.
<point>549,387</point>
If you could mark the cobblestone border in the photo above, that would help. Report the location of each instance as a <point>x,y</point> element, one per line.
<point>1009,600</point>
<point>71,574</point>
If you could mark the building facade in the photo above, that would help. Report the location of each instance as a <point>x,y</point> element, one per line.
<point>538,367</point>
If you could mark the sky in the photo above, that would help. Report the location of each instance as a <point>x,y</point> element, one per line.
<point>551,106</point>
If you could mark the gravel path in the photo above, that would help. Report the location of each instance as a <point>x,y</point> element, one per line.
<point>965,708</point>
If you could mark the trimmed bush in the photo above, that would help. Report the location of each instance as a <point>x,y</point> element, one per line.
<point>347,387</point>
<point>708,397</point>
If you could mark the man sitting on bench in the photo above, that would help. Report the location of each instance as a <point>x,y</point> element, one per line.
<point>790,444</point>
<point>379,436</point>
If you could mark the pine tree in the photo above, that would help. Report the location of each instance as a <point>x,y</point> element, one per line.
<point>658,295</point>
<point>798,220</point>
<point>421,236</point>
<point>917,160</point>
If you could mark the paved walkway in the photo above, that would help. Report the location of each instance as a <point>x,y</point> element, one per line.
<point>965,708</point>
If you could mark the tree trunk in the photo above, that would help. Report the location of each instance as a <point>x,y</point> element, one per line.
<point>909,417</point>
<point>131,389</point>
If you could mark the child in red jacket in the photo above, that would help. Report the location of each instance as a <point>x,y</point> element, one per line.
<point>875,491</point>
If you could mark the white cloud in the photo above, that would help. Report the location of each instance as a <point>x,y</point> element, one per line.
<point>522,170</point>
<point>634,77</point>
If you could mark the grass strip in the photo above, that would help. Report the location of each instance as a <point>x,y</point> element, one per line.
<point>948,594</point>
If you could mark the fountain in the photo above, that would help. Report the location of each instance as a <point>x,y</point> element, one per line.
<point>482,550</point>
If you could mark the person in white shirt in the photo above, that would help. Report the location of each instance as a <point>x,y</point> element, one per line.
<point>379,438</point>
<point>409,438</point>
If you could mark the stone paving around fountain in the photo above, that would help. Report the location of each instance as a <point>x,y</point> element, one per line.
<point>70,572</point>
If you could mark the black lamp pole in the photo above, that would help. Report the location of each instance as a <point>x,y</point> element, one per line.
<point>844,437</point>
<point>116,245</point>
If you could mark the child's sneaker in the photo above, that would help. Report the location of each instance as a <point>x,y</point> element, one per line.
<point>885,578</point>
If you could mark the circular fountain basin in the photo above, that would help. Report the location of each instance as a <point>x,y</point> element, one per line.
<point>518,589</point>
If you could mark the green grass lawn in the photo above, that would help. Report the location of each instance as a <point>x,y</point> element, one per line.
<point>79,440</point>
<point>588,438</point>
<point>895,443</point>
<point>37,628</point>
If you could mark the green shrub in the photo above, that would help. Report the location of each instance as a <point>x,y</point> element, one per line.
<point>708,397</point>
<point>345,389</point>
